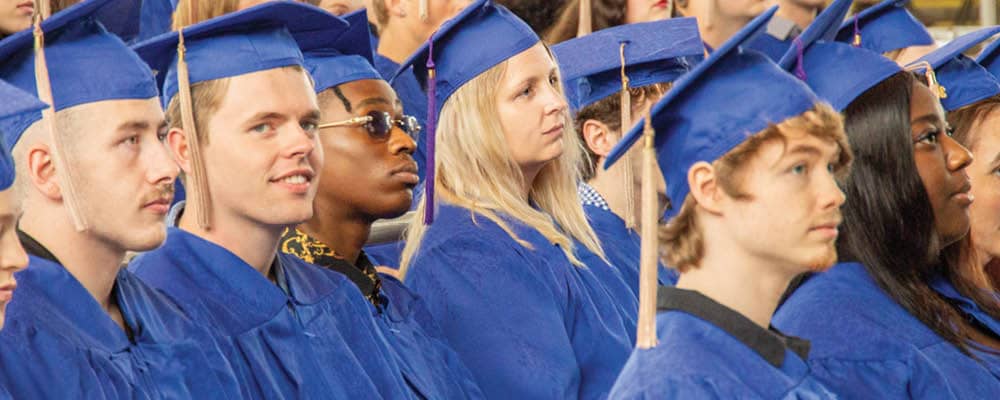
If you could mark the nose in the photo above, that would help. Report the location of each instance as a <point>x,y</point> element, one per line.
<point>12,255</point>
<point>956,156</point>
<point>401,142</point>
<point>831,195</point>
<point>301,142</point>
<point>555,103</point>
<point>161,166</point>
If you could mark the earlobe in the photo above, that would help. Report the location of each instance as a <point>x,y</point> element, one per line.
<point>596,136</point>
<point>42,171</point>
<point>704,184</point>
<point>177,141</point>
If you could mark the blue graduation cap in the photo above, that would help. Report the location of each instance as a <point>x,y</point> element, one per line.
<point>480,37</point>
<point>989,58</point>
<point>654,52</point>
<point>836,72</point>
<point>698,120</point>
<point>13,102</point>
<point>86,64</point>
<point>259,38</point>
<point>885,27</point>
<point>965,81</point>
<point>155,18</point>
<point>348,58</point>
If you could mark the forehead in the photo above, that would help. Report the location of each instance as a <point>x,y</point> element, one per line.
<point>923,102</point>
<point>795,142</point>
<point>280,90</point>
<point>360,90</point>
<point>533,61</point>
<point>103,117</point>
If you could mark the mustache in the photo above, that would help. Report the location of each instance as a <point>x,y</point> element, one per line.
<point>162,191</point>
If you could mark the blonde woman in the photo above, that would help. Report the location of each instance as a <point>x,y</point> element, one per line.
<point>496,254</point>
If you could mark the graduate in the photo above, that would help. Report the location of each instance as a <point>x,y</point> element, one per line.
<point>250,161</point>
<point>974,126</point>
<point>888,28</point>
<point>13,103</point>
<point>496,249</point>
<point>792,18</point>
<point>735,174</point>
<point>878,328</point>
<point>369,174</point>
<point>592,70</point>
<point>94,188</point>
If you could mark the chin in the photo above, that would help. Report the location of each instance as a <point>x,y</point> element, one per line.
<point>147,241</point>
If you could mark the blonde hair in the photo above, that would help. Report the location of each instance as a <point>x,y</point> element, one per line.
<point>204,10</point>
<point>682,240</point>
<point>475,171</point>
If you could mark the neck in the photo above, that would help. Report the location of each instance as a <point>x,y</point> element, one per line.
<point>93,261</point>
<point>794,11</point>
<point>529,174</point>
<point>739,281</point>
<point>254,243</point>
<point>342,230</point>
<point>608,183</point>
<point>403,43</point>
<point>721,29</point>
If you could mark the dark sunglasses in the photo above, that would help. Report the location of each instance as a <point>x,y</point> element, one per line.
<point>379,124</point>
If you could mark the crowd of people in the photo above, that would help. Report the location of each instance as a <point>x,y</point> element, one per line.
<point>625,199</point>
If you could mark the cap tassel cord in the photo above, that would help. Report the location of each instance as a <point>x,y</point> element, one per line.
<point>584,26</point>
<point>857,33</point>
<point>430,178</point>
<point>423,10</point>
<point>649,251</point>
<point>627,165</point>
<point>199,179</point>
<point>44,87</point>
<point>800,71</point>
<point>932,82</point>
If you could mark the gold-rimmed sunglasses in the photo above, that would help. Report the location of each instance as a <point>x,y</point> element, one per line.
<point>379,124</point>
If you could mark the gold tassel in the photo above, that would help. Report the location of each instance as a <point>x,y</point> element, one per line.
<point>627,163</point>
<point>44,8</point>
<point>932,82</point>
<point>648,255</point>
<point>199,181</point>
<point>44,87</point>
<point>584,25</point>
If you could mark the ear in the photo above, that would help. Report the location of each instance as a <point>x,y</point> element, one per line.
<point>178,142</point>
<point>42,171</point>
<point>704,184</point>
<point>598,137</point>
<point>396,8</point>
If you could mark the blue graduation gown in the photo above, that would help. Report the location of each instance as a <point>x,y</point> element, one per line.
<point>708,351</point>
<point>867,346</point>
<point>428,362</point>
<point>973,313</point>
<point>414,101</point>
<point>771,46</point>
<point>318,340</point>
<point>58,343</point>
<point>621,244</point>
<point>527,322</point>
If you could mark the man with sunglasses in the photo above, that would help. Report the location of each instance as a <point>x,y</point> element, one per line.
<point>369,174</point>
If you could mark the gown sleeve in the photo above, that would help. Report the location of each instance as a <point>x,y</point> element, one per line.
<point>505,314</point>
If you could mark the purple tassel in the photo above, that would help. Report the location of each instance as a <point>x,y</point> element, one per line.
<point>800,72</point>
<point>857,33</point>
<point>431,133</point>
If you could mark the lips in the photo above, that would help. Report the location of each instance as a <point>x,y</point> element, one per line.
<point>27,6</point>
<point>661,4</point>
<point>160,205</point>
<point>7,291</point>
<point>297,181</point>
<point>407,172</point>
<point>555,130</point>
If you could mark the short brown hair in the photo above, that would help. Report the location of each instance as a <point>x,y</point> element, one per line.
<point>206,98</point>
<point>682,239</point>
<point>962,119</point>
<point>608,112</point>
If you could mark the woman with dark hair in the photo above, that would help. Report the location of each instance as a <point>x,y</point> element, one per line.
<point>877,326</point>
<point>605,14</point>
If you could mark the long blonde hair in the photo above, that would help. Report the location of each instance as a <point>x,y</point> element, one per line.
<point>476,171</point>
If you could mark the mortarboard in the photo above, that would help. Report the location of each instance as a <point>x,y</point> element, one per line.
<point>989,58</point>
<point>155,18</point>
<point>480,37</point>
<point>264,37</point>
<point>964,80</point>
<point>346,59</point>
<point>698,120</point>
<point>13,102</point>
<point>654,52</point>
<point>837,72</point>
<point>884,27</point>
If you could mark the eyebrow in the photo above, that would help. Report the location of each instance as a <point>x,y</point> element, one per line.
<point>375,100</point>
<point>138,126</point>
<point>929,118</point>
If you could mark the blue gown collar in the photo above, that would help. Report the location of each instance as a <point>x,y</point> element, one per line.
<point>966,305</point>
<point>770,344</point>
